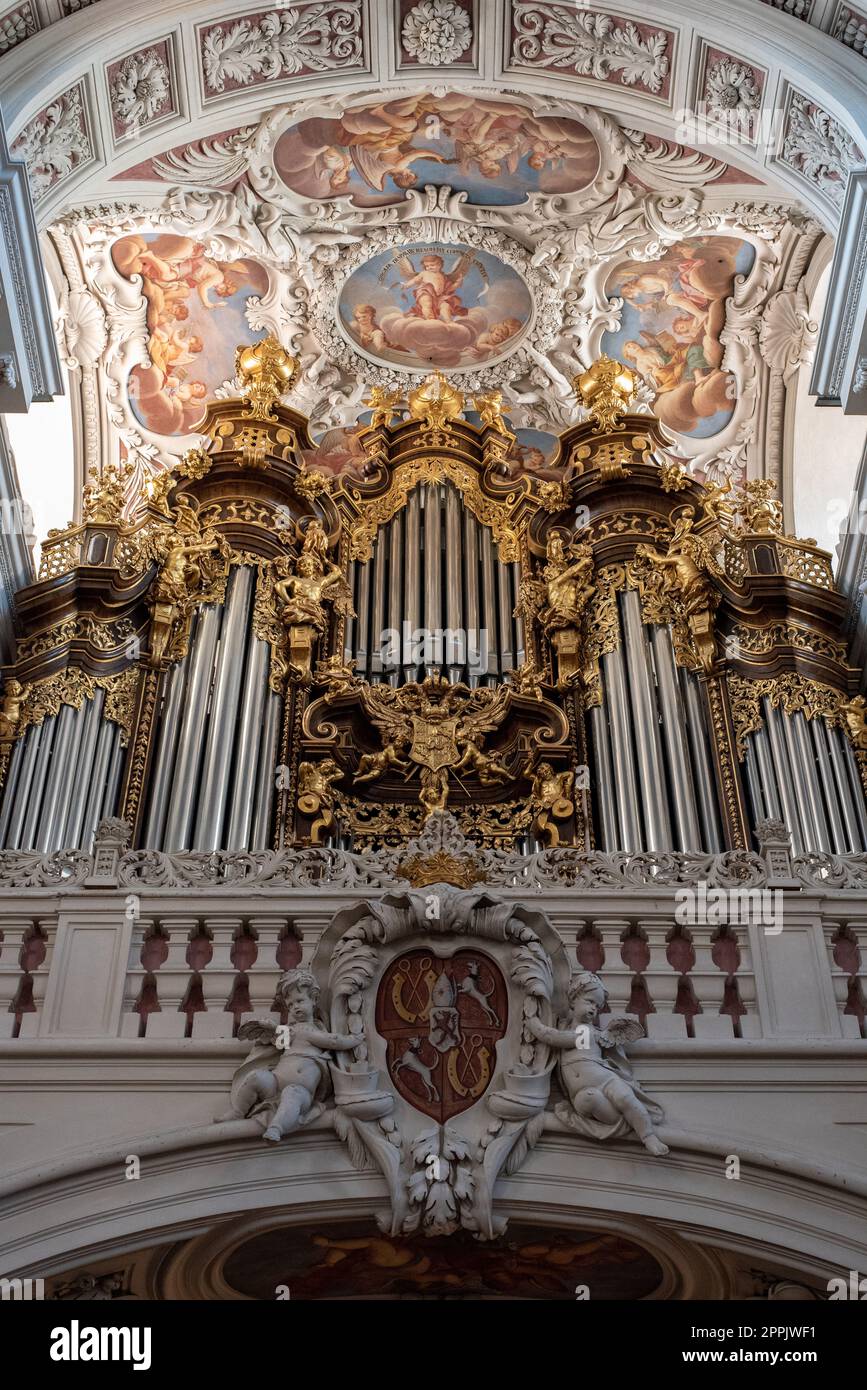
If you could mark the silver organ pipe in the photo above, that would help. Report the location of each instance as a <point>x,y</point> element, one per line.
<point>377,619</point>
<point>16,761</point>
<point>164,761</point>
<point>96,792</point>
<point>83,774</point>
<point>362,608</point>
<point>674,733</point>
<point>809,835</point>
<point>505,613</point>
<point>395,595</point>
<point>216,768</point>
<point>754,784</point>
<point>846,802</point>
<point>112,781</point>
<point>839,841</point>
<point>783,775</point>
<point>454,653</point>
<point>182,800</point>
<point>651,768</point>
<point>764,758</point>
<point>810,779</point>
<point>856,791</point>
<point>265,773</point>
<point>471,589</point>
<point>24,795</point>
<point>702,763</point>
<point>30,821</point>
<point>411,584</point>
<point>520,639</point>
<point>52,806</point>
<point>604,787</point>
<point>247,743</point>
<point>432,572</point>
<point>625,783</point>
<point>489,623</point>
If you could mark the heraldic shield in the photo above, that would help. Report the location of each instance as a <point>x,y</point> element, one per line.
<point>442,1020</point>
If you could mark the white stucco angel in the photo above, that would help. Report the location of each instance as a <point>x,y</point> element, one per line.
<point>605,1101</point>
<point>285,1079</point>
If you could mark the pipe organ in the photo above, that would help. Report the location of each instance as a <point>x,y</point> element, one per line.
<point>254,654</point>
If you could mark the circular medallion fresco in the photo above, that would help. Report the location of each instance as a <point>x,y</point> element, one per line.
<point>425,306</point>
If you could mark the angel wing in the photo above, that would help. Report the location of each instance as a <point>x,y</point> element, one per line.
<point>702,554</point>
<point>485,710</point>
<point>621,1030</point>
<point>405,266</point>
<point>259,1030</point>
<point>339,593</point>
<point>531,594</point>
<point>380,706</point>
<point>462,269</point>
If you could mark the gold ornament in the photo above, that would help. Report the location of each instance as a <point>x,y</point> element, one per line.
<point>266,372</point>
<point>490,408</point>
<point>550,800</point>
<point>302,597</point>
<point>607,390</point>
<point>384,404</point>
<point>316,795</point>
<point>436,403</point>
<point>681,583</point>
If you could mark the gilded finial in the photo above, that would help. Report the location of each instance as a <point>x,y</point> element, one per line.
<point>607,389</point>
<point>104,493</point>
<point>266,371</point>
<point>435,402</point>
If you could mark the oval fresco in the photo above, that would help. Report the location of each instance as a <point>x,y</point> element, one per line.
<point>435,306</point>
<point>494,151</point>
<point>195,319</point>
<point>674,309</point>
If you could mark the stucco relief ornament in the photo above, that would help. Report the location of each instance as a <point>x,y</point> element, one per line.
<point>141,88</point>
<point>819,148</point>
<point>605,1101</point>
<point>592,44</point>
<point>730,89</point>
<point>436,32</point>
<point>82,328</point>
<point>318,37</point>
<point>787,334</point>
<point>54,143</point>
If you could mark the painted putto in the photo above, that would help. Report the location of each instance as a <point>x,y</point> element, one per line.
<point>442,306</point>
<point>493,150</point>
<point>674,309</point>
<point>195,319</point>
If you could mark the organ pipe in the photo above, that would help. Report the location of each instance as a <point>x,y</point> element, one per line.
<point>216,768</point>
<point>646,728</point>
<point>675,736</point>
<point>182,801</point>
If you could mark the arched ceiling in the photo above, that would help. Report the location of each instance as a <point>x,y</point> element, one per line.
<point>656,182</point>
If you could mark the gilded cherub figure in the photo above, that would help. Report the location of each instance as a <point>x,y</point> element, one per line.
<point>550,799</point>
<point>10,710</point>
<point>486,766</point>
<point>316,795</point>
<point>605,1101</point>
<point>384,405</point>
<point>285,1080</point>
<point>855,715</point>
<point>302,598</point>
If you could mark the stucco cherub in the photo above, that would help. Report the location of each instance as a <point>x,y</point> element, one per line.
<point>285,1079</point>
<point>605,1101</point>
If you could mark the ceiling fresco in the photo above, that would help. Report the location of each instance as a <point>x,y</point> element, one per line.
<point>195,319</point>
<point>674,310</point>
<point>508,241</point>
<point>354,1261</point>
<point>496,152</point>
<point>435,306</point>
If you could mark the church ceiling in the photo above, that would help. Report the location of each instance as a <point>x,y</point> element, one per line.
<point>499,192</point>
